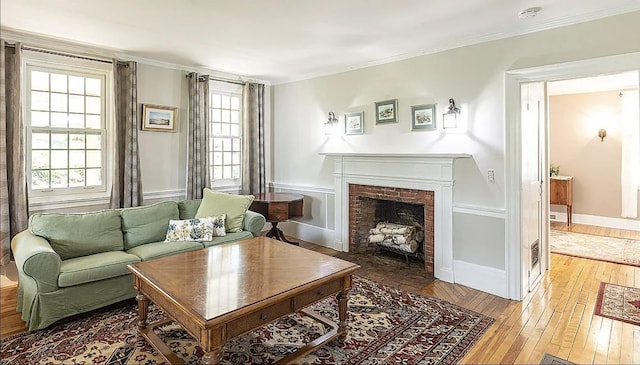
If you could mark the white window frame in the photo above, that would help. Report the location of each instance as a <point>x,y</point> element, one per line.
<point>42,199</point>
<point>224,88</point>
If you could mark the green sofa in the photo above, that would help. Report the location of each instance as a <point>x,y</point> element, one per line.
<point>74,263</point>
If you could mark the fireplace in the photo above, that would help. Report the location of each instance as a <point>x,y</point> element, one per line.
<point>419,174</point>
<point>369,205</point>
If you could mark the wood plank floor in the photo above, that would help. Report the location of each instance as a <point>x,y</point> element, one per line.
<point>556,318</point>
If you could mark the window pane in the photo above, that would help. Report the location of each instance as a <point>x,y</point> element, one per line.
<point>214,114</point>
<point>59,159</point>
<point>93,87</point>
<point>58,102</point>
<point>59,141</point>
<point>76,85</point>
<point>217,159</point>
<point>76,141</point>
<point>94,177</point>
<point>217,172</point>
<point>235,103</point>
<point>235,130</point>
<point>76,159</point>
<point>226,117</point>
<point>59,120</point>
<point>226,172</point>
<point>59,178</point>
<point>235,172</point>
<point>40,140</point>
<point>76,103</point>
<point>76,177</point>
<point>235,158</point>
<point>236,144</point>
<point>39,80</point>
<point>215,101</point>
<point>226,129</point>
<point>226,101</point>
<point>226,158</point>
<point>93,121</point>
<point>217,144</point>
<point>94,158</point>
<point>235,116</point>
<point>59,83</point>
<point>40,179</point>
<point>39,159</point>
<point>93,105</point>
<point>226,144</point>
<point>215,129</point>
<point>76,120</point>
<point>40,119</point>
<point>94,141</point>
<point>39,100</point>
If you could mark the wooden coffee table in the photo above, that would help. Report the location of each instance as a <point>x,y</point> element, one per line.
<point>224,291</point>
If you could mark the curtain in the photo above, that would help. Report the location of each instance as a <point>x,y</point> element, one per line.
<point>198,175</point>
<point>14,206</point>
<point>127,183</point>
<point>253,159</point>
<point>630,177</point>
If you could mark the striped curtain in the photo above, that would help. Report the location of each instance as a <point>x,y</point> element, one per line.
<point>253,159</point>
<point>198,176</point>
<point>14,207</point>
<point>127,183</point>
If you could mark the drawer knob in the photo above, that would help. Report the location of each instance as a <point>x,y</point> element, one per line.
<point>263,316</point>
<point>319,292</point>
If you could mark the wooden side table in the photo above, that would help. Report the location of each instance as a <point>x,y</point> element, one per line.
<point>561,193</point>
<point>278,207</point>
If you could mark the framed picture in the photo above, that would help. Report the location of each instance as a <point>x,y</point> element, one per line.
<point>159,118</point>
<point>423,117</point>
<point>354,123</point>
<point>387,111</point>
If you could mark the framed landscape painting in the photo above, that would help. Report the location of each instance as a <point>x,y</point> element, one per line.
<point>159,118</point>
<point>354,123</point>
<point>423,117</point>
<point>387,111</point>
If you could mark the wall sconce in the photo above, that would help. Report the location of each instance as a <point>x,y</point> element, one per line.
<point>602,133</point>
<point>450,117</point>
<point>331,126</point>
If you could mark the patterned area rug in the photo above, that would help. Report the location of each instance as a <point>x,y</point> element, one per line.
<point>601,248</point>
<point>619,302</point>
<point>386,326</point>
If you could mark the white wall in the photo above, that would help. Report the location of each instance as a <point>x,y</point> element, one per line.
<point>474,76</point>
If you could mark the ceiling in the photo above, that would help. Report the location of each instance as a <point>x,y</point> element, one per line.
<point>285,40</point>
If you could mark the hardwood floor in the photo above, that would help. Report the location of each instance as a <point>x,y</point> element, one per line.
<point>556,318</point>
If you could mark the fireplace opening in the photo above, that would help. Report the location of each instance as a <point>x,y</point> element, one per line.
<point>405,214</point>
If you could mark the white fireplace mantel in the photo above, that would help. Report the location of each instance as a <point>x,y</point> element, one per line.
<point>430,172</point>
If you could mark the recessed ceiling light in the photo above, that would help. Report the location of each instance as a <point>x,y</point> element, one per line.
<point>529,13</point>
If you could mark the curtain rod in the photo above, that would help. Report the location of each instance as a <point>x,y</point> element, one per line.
<point>190,74</point>
<point>56,53</point>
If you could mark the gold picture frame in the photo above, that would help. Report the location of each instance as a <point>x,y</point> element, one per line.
<point>159,118</point>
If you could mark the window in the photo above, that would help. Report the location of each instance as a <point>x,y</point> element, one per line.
<point>225,134</point>
<point>66,129</point>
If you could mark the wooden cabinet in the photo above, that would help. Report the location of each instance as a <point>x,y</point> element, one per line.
<point>561,193</point>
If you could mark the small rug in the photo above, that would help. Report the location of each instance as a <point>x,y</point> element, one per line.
<point>386,326</point>
<point>554,360</point>
<point>618,302</point>
<point>601,248</point>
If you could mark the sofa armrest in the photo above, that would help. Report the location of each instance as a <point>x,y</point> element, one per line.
<point>36,259</point>
<point>254,222</point>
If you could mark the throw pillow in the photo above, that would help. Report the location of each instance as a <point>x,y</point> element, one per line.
<point>199,230</point>
<point>234,206</point>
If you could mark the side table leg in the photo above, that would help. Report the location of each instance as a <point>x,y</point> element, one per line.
<point>213,357</point>
<point>143,310</point>
<point>343,297</point>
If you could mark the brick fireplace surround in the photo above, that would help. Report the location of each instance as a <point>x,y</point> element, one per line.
<point>430,173</point>
<point>358,214</point>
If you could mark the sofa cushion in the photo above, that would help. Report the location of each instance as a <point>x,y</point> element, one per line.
<point>234,206</point>
<point>237,236</point>
<point>94,267</point>
<point>197,229</point>
<point>188,208</point>
<point>74,235</point>
<point>159,249</point>
<point>148,223</point>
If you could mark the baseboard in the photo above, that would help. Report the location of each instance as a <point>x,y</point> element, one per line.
<point>487,279</point>
<point>594,220</point>
<point>307,232</point>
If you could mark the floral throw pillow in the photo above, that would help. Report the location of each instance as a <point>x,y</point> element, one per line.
<point>198,229</point>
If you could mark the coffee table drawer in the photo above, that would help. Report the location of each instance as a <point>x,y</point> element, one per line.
<point>311,296</point>
<point>258,318</point>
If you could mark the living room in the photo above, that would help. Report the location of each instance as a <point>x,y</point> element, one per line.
<point>300,157</point>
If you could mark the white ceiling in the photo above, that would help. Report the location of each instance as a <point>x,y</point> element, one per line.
<point>616,82</point>
<point>284,40</point>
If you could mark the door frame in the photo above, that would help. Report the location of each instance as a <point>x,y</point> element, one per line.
<point>516,280</point>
